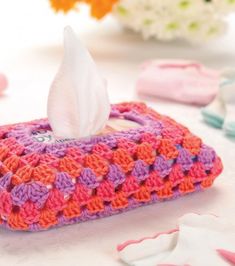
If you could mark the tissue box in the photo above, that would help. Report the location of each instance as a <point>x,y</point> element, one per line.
<point>46,183</point>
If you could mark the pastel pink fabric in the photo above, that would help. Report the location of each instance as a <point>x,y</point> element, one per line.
<point>179,80</point>
<point>3,83</point>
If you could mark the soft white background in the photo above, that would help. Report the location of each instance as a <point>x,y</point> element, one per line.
<point>30,52</point>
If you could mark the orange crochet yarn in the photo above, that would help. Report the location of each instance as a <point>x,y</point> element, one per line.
<point>44,185</point>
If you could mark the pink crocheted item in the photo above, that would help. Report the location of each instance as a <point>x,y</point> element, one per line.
<point>44,184</point>
<point>178,80</point>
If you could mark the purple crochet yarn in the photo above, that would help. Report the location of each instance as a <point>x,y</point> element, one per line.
<point>133,116</point>
<point>64,183</point>
<point>20,194</point>
<point>88,178</point>
<point>185,159</point>
<point>5,181</point>
<point>38,193</point>
<point>207,156</point>
<point>140,170</point>
<point>162,166</point>
<point>34,227</point>
<point>126,180</point>
<point>115,175</point>
<point>56,150</point>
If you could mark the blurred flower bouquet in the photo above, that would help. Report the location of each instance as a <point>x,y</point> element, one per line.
<point>195,20</point>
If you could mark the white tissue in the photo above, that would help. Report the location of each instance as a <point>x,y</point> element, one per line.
<point>78,104</point>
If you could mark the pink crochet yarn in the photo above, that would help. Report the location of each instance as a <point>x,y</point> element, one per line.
<point>179,80</point>
<point>46,183</point>
<point>3,83</point>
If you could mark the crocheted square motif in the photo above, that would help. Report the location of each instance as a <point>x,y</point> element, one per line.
<point>49,183</point>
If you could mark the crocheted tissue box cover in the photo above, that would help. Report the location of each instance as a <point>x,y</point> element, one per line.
<point>48,184</point>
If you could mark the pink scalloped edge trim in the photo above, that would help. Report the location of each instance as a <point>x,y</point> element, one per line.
<point>131,242</point>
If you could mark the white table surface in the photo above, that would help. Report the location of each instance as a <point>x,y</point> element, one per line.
<point>30,52</point>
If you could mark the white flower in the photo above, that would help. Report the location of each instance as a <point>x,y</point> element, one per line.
<point>224,6</point>
<point>195,20</point>
<point>203,29</point>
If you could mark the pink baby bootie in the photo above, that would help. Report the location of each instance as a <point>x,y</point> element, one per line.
<point>179,80</point>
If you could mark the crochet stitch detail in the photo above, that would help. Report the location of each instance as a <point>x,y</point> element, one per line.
<point>43,185</point>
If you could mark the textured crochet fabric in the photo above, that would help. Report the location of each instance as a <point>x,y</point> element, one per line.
<point>53,183</point>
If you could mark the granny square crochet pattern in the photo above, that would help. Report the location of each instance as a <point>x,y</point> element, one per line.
<point>48,184</point>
